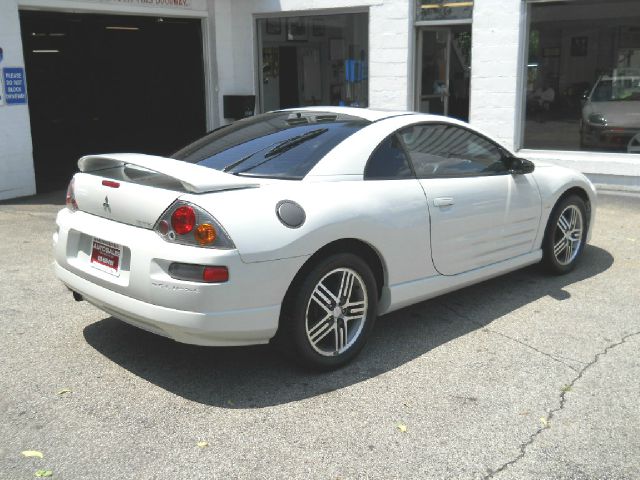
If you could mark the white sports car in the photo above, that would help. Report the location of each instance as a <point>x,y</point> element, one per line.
<point>301,226</point>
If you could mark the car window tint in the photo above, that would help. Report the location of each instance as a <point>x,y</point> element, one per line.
<point>439,150</point>
<point>388,162</point>
<point>275,145</point>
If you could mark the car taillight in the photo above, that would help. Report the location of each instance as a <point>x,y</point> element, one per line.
<point>70,200</point>
<point>188,224</point>
<point>205,234</point>
<point>183,220</point>
<point>215,274</point>
<point>199,273</point>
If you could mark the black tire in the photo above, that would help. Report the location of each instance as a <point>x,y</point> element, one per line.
<point>561,251</point>
<point>301,309</point>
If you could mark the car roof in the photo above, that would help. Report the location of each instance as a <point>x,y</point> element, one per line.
<point>377,114</point>
<point>349,156</point>
<point>370,114</point>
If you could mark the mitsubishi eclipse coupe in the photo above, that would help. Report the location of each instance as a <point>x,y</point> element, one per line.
<point>302,226</point>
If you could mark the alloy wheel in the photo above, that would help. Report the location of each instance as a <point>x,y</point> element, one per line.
<point>336,312</point>
<point>567,238</point>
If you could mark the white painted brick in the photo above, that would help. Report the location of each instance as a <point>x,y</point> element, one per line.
<point>495,71</point>
<point>388,40</point>
<point>384,24</point>
<point>492,53</point>
<point>506,84</point>
<point>390,55</point>
<point>16,159</point>
<point>396,69</point>
<point>498,68</point>
<point>388,101</point>
<point>381,83</point>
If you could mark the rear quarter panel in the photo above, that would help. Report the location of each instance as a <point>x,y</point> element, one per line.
<point>391,216</point>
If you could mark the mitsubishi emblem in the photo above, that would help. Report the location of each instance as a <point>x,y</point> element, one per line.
<point>105,205</point>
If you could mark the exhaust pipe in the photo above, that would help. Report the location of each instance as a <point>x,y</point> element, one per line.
<point>77,297</point>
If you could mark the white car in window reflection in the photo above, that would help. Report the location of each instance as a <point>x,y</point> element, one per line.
<point>301,226</point>
<point>611,114</point>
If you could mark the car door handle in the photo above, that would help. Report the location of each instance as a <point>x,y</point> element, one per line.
<point>443,201</point>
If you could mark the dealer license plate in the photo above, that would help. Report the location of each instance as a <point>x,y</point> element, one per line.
<point>105,256</point>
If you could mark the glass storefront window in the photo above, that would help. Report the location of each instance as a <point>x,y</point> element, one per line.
<point>583,76</point>
<point>429,10</point>
<point>443,70</point>
<point>314,60</point>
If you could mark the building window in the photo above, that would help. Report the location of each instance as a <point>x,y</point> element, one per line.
<point>583,76</point>
<point>314,60</point>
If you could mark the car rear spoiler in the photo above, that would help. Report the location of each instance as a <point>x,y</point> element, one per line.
<point>194,178</point>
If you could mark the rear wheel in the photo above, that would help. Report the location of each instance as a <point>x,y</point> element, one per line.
<point>329,313</point>
<point>565,235</point>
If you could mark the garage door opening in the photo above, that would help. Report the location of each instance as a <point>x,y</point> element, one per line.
<point>103,83</point>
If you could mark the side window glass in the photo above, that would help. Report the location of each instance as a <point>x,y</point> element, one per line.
<point>388,162</point>
<point>439,150</point>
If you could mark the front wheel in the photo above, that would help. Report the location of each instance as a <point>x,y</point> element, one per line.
<point>330,312</point>
<point>565,235</point>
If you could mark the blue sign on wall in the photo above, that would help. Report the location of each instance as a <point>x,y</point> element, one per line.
<point>15,88</point>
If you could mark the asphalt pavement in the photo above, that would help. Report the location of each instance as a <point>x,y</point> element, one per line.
<point>526,376</point>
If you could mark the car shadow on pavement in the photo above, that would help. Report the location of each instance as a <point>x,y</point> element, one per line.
<point>254,377</point>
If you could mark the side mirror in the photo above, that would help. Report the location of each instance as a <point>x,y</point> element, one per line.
<point>520,166</point>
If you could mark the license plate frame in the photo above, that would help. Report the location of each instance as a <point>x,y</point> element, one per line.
<point>106,256</point>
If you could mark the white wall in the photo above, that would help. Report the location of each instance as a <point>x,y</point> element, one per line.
<point>16,159</point>
<point>390,31</point>
<point>16,153</point>
<point>497,32</point>
<point>391,57</point>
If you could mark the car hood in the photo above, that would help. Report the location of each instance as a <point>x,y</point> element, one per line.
<point>625,113</point>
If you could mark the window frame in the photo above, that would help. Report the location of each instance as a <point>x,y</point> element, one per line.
<point>504,153</point>
<point>583,160</point>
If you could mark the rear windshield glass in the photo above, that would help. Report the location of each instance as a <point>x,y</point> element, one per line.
<point>274,145</point>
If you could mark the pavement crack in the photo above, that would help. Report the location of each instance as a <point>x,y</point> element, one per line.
<point>495,332</point>
<point>541,352</point>
<point>559,408</point>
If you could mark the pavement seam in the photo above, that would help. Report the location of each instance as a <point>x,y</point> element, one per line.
<point>560,407</point>
<point>524,344</point>
<point>533,348</point>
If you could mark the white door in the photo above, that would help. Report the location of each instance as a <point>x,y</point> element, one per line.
<point>480,213</point>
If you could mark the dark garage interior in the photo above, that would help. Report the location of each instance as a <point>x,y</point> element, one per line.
<point>103,83</point>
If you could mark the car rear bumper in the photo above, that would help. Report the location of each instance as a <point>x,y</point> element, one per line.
<point>609,137</point>
<point>242,311</point>
<point>226,328</point>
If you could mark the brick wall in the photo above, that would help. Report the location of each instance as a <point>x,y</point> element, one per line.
<point>16,159</point>
<point>495,58</point>
<point>390,34</point>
